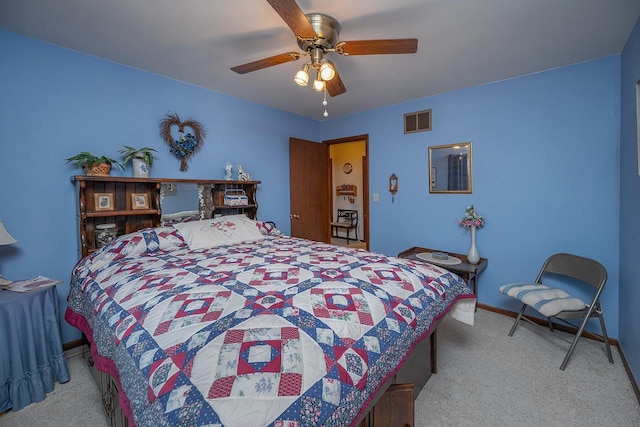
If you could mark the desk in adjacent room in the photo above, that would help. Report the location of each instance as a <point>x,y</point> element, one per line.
<point>31,356</point>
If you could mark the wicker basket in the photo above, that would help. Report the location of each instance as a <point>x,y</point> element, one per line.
<point>235,197</point>
<point>101,169</point>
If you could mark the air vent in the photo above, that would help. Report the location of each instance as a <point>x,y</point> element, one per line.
<point>420,121</point>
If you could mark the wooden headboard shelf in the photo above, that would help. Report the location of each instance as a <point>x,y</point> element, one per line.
<point>129,218</point>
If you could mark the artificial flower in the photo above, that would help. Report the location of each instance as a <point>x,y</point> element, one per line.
<point>471,219</point>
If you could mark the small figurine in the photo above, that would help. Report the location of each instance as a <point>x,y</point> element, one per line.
<point>228,168</point>
<point>242,175</point>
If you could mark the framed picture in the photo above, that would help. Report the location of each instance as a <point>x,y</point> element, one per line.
<point>139,201</point>
<point>103,201</point>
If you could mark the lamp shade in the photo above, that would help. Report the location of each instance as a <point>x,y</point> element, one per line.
<point>5,237</point>
<point>318,84</point>
<point>327,72</point>
<point>302,77</point>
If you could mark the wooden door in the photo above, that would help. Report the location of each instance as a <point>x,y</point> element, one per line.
<point>309,189</point>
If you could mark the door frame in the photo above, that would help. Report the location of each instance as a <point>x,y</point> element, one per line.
<point>365,180</point>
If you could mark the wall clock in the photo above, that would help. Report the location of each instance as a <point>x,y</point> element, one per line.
<point>347,168</point>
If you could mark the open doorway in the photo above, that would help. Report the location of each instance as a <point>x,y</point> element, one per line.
<point>350,190</point>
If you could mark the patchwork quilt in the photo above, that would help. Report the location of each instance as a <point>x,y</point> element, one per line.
<point>276,332</point>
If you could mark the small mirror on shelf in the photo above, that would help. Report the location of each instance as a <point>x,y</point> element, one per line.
<point>450,169</point>
<point>179,199</point>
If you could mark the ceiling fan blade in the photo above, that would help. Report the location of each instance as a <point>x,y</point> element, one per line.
<point>266,62</point>
<point>377,47</point>
<point>294,17</point>
<point>335,86</point>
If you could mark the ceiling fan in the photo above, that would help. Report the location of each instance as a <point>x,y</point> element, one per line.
<point>317,36</point>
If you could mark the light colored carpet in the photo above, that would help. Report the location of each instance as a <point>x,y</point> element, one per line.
<point>484,378</point>
<point>74,403</point>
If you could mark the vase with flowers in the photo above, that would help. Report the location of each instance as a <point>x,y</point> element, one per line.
<point>472,220</point>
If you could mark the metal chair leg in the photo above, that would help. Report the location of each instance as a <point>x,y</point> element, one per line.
<point>605,337</point>
<point>570,352</point>
<point>513,328</point>
<point>575,340</point>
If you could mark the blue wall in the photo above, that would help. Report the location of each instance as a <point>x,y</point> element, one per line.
<point>630,206</point>
<point>545,160</point>
<point>56,102</point>
<point>545,174</point>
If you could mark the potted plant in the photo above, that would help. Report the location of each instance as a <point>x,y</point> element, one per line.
<point>141,159</point>
<point>94,165</point>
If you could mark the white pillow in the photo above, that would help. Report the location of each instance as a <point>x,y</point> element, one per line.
<point>178,217</point>
<point>225,230</point>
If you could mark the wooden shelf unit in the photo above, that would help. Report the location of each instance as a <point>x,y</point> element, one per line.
<point>128,220</point>
<point>218,189</point>
<point>347,190</point>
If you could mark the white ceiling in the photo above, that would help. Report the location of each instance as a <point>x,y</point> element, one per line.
<point>461,43</point>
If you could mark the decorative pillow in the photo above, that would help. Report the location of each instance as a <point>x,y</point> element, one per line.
<point>548,301</point>
<point>178,217</point>
<point>132,245</point>
<point>267,228</point>
<point>225,230</point>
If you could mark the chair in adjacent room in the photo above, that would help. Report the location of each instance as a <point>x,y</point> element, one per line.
<point>559,304</point>
<point>347,220</point>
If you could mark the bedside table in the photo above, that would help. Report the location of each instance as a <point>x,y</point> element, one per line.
<point>468,272</point>
<point>31,356</point>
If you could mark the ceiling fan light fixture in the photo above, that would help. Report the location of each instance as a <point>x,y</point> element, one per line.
<point>327,72</point>
<point>318,84</point>
<point>302,76</point>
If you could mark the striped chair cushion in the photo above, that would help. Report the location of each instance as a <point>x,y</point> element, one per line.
<point>548,301</point>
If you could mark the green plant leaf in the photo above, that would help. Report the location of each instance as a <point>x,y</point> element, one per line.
<point>144,153</point>
<point>84,157</point>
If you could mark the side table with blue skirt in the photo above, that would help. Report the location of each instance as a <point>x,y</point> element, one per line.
<point>31,355</point>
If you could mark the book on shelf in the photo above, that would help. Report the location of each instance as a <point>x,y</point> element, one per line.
<point>32,284</point>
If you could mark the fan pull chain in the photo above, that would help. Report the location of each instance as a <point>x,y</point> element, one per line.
<point>324,102</point>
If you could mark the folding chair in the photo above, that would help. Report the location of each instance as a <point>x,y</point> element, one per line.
<point>557,303</point>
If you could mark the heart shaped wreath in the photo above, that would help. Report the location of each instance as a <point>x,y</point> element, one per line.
<point>188,143</point>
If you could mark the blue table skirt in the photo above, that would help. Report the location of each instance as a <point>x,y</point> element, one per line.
<point>31,356</point>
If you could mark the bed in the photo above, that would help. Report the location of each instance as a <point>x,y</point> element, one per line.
<point>227,322</point>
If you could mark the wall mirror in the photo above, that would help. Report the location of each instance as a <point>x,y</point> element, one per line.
<point>450,168</point>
